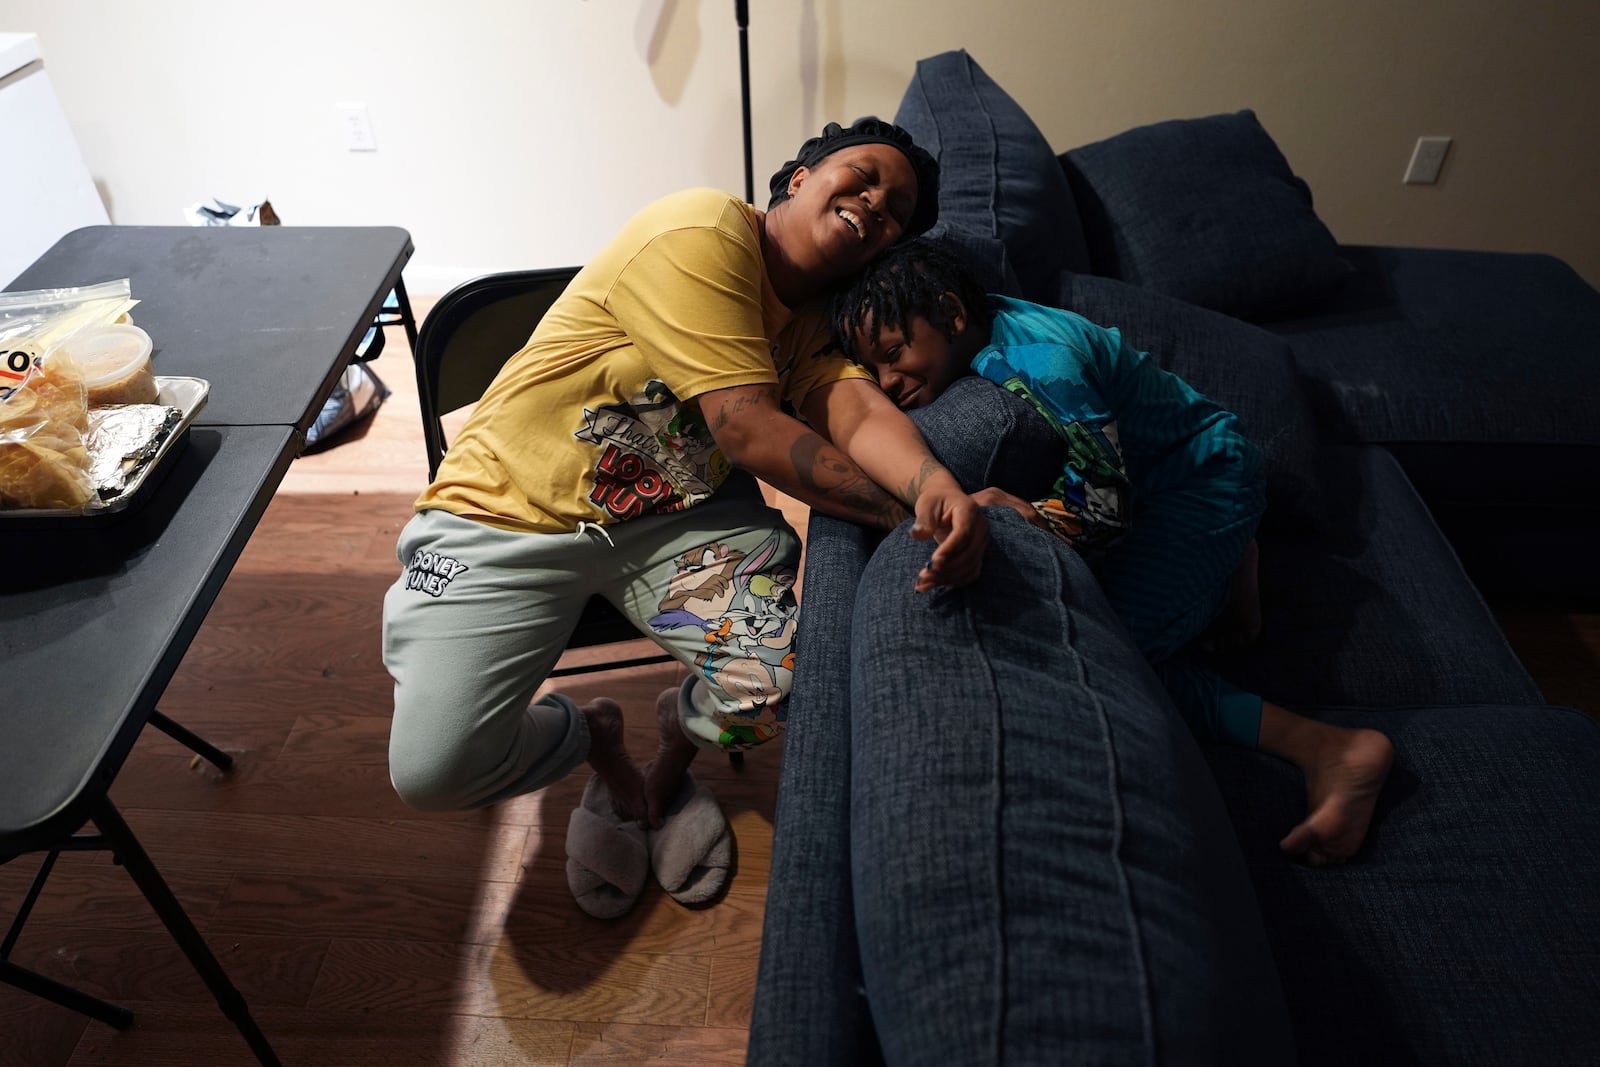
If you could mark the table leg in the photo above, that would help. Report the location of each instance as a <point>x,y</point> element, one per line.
<point>407,320</point>
<point>149,880</point>
<point>190,739</point>
<point>31,982</point>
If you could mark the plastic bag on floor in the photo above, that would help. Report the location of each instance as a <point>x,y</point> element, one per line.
<point>354,399</point>
<point>359,391</point>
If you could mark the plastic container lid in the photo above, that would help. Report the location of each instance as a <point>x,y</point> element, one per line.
<point>106,353</point>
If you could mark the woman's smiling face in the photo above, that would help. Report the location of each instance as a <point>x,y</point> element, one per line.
<point>851,206</point>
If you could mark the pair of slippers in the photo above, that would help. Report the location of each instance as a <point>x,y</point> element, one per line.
<point>608,859</point>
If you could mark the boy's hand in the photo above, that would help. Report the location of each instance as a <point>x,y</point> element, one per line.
<point>953,519</point>
<point>992,497</point>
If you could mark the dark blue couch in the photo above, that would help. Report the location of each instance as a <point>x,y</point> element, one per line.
<point>996,842</point>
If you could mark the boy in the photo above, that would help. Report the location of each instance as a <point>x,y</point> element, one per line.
<point>1160,490</point>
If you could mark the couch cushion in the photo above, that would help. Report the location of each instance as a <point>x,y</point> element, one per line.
<point>1435,346</point>
<point>998,176</point>
<point>1247,370</point>
<point>988,258</point>
<point>1468,930</point>
<point>1206,210</point>
<point>1042,872</point>
<point>1377,612</point>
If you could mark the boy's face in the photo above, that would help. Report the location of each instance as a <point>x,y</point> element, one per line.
<point>913,370</point>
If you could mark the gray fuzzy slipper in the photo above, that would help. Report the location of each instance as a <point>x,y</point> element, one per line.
<point>692,853</point>
<point>607,858</point>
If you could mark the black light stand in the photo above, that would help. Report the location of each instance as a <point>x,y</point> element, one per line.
<point>741,15</point>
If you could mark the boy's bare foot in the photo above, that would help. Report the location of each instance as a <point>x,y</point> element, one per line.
<point>663,776</point>
<point>608,755</point>
<point>1345,772</point>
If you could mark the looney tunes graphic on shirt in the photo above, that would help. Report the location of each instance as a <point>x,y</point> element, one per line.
<point>653,455</point>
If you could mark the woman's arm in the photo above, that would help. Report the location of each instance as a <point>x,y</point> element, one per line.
<point>754,433</point>
<point>855,415</point>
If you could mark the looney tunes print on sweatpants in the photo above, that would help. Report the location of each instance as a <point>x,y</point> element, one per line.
<point>480,615</point>
<point>742,605</point>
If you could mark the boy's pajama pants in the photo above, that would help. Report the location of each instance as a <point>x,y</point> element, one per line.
<point>479,616</point>
<point>1168,581</point>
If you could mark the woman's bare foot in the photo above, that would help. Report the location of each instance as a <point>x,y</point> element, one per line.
<point>663,776</point>
<point>1345,770</point>
<point>608,755</point>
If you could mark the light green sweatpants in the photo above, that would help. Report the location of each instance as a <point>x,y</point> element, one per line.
<point>479,616</point>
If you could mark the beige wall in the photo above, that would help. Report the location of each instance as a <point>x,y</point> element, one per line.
<point>517,134</point>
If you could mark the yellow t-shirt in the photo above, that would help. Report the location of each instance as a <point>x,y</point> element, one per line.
<point>594,420</point>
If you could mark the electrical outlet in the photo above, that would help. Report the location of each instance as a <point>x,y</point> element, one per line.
<point>1426,159</point>
<point>357,123</point>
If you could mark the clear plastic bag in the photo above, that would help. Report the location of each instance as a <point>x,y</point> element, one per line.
<point>35,321</point>
<point>44,462</point>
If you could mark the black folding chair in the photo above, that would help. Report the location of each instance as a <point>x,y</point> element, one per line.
<point>465,340</point>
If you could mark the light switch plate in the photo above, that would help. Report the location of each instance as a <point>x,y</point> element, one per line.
<point>1426,160</point>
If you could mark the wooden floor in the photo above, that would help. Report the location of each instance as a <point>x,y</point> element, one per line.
<point>359,931</point>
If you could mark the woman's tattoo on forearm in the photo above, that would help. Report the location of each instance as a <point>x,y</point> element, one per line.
<point>913,489</point>
<point>761,397</point>
<point>830,474</point>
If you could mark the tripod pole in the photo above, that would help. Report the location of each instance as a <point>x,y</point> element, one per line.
<point>741,14</point>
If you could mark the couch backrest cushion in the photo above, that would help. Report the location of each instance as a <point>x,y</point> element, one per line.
<point>1245,369</point>
<point>1206,210</point>
<point>988,258</point>
<point>998,176</point>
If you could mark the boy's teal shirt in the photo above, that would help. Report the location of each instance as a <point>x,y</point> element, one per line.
<point>1133,431</point>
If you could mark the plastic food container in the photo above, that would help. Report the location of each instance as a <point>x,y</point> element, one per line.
<point>115,363</point>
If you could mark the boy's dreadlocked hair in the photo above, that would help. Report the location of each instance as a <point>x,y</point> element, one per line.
<point>905,282</point>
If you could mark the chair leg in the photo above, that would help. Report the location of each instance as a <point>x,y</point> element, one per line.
<point>144,874</point>
<point>190,739</point>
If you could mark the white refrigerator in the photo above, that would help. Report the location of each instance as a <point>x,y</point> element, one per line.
<point>45,188</point>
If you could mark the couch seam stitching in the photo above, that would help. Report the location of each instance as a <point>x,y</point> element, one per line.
<point>1146,1012</point>
<point>997,865</point>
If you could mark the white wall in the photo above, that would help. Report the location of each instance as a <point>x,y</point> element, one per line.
<point>521,134</point>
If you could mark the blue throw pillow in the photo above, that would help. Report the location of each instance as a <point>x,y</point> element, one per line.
<point>998,176</point>
<point>1206,210</point>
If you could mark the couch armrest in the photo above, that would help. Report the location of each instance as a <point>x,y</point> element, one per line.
<point>809,1008</point>
<point>1042,870</point>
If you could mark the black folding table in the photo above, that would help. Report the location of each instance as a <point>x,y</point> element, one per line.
<point>95,616</point>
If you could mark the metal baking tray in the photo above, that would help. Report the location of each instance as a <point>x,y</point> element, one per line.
<point>189,396</point>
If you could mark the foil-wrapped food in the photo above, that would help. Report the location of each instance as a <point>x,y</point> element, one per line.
<point>123,440</point>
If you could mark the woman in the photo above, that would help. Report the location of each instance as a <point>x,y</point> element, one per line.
<point>602,461</point>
